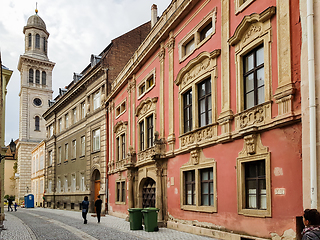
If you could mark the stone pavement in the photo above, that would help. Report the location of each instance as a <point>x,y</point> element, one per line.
<point>18,230</point>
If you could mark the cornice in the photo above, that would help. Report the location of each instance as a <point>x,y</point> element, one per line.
<point>34,61</point>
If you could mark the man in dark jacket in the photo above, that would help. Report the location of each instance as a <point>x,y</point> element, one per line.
<point>98,204</point>
<point>311,220</point>
<point>85,208</point>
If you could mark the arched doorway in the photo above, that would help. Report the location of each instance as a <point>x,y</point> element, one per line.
<point>96,178</point>
<point>149,193</point>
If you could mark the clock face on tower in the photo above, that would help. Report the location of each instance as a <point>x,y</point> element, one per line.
<point>37,101</point>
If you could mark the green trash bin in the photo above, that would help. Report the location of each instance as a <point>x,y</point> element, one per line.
<point>135,218</point>
<point>150,216</point>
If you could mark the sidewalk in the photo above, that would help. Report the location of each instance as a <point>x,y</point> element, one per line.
<point>16,229</point>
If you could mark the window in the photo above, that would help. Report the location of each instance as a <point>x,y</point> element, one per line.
<point>44,78</point>
<point>96,100</point>
<point>65,184</point>
<point>50,186</point>
<point>253,75</point>
<point>37,123</point>
<point>44,44</point>
<point>190,189</point>
<point>123,146</point>
<point>37,41</point>
<point>59,185</point>
<point>82,182</point>
<point>120,192</point>
<point>198,182</point>
<point>41,186</point>
<point>73,183</point>
<point>66,152</point>
<point>67,120</point>
<point>96,140</point>
<point>37,76</point>
<point>51,130</point>
<point>41,162</point>
<point>147,83</point>
<point>198,36</point>
<point>29,40</point>
<point>189,47</point>
<point>74,149</point>
<point>253,178</point>
<point>141,127</point>
<point>60,125</point>
<point>50,158</point>
<point>121,109</point>
<point>150,131</point>
<point>187,111</point>
<point>142,89</point>
<point>118,148</point>
<point>59,155</point>
<point>83,145</point>
<point>74,115</point>
<point>83,110</point>
<point>207,191</point>
<point>240,5</point>
<point>30,75</point>
<point>206,31</point>
<point>204,103</point>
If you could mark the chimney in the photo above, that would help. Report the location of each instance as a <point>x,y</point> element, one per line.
<point>154,15</point>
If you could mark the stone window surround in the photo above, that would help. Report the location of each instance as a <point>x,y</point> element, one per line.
<point>121,181</point>
<point>189,77</point>
<point>145,109</point>
<point>253,150</point>
<point>240,5</point>
<point>74,150</point>
<point>119,111</point>
<point>197,162</point>
<point>119,129</point>
<point>195,34</point>
<point>152,73</point>
<point>96,148</point>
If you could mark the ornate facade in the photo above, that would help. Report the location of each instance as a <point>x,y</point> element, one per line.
<point>211,126</point>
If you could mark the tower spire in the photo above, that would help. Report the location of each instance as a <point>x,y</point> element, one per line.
<point>36,8</point>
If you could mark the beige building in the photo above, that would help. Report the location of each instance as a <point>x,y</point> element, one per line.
<point>5,77</point>
<point>10,169</point>
<point>35,93</point>
<point>37,173</point>
<point>310,100</point>
<point>76,128</point>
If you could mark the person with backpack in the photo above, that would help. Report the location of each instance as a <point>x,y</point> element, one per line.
<point>85,209</point>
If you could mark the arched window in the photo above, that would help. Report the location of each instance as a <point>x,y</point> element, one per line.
<point>37,41</point>
<point>38,77</point>
<point>31,75</point>
<point>29,40</point>
<point>44,44</point>
<point>44,78</point>
<point>37,123</point>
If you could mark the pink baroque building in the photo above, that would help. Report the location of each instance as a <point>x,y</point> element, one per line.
<point>204,121</point>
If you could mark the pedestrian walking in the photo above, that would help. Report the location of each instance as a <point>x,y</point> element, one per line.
<point>9,204</point>
<point>15,206</point>
<point>85,208</point>
<point>98,204</point>
<point>311,220</point>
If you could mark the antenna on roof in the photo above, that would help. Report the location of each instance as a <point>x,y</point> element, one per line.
<point>36,8</point>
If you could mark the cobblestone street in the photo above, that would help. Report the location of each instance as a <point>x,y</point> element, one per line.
<point>43,223</point>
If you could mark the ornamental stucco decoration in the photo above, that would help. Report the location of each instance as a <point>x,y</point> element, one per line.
<point>146,106</point>
<point>252,145</point>
<point>120,127</point>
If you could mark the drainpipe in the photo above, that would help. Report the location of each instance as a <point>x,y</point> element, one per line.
<point>312,105</point>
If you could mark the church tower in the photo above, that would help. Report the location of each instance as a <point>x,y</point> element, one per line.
<point>35,93</point>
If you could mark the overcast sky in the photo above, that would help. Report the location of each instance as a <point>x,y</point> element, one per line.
<point>78,28</point>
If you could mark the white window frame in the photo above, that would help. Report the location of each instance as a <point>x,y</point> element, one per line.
<point>74,118</point>
<point>144,82</point>
<point>74,149</point>
<point>83,110</point>
<point>83,146</point>
<point>240,5</point>
<point>66,152</point>
<point>96,100</point>
<point>67,120</point>
<point>96,140</point>
<point>50,158</point>
<point>121,108</point>
<point>59,155</point>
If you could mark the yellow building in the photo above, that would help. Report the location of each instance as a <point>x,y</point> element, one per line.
<point>5,77</point>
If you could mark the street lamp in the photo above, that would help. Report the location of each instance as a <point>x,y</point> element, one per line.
<point>12,146</point>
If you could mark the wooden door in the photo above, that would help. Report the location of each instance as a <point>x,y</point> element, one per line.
<point>96,191</point>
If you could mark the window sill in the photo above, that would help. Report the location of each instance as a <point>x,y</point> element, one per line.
<point>59,164</point>
<point>65,161</point>
<point>255,212</point>
<point>82,156</point>
<point>97,151</point>
<point>50,166</point>
<point>206,209</point>
<point>73,159</point>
